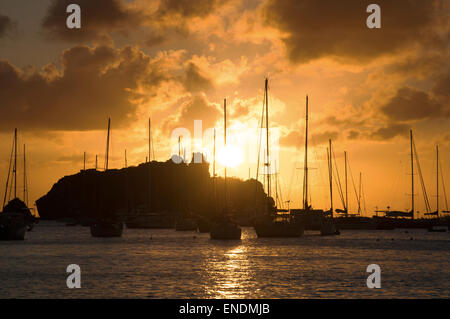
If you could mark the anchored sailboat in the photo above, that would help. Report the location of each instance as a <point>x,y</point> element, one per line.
<point>412,211</point>
<point>105,224</point>
<point>146,218</point>
<point>328,226</point>
<point>438,227</point>
<point>273,224</point>
<point>224,227</point>
<point>16,217</point>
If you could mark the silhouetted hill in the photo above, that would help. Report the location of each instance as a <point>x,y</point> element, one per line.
<point>174,188</point>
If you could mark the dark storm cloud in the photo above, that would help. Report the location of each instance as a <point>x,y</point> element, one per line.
<point>6,25</point>
<point>442,85</point>
<point>316,29</point>
<point>101,18</point>
<point>412,104</point>
<point>98,19</point>
<point>390,131</point>
<point>188,8</point>
<point>94,83</point>
<point>195,81</point>
<point>419,66</point>
<point>196,108</point>
<point>353,135</point>
<point>323,137</point>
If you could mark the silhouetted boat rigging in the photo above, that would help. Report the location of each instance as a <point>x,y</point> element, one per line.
<point>328,227</point>
<point>438,227</point>
<point>273,224</point>
<point>224,227</point>
<point>16,218</point>
<point>313,218</point>
<point>410,213</point>
<point>146,217</point>
<point>107,225</point>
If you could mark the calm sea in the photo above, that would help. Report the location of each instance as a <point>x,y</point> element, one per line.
<point>170,264</point>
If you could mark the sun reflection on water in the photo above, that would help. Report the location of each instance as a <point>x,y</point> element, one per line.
<point>228,272</point>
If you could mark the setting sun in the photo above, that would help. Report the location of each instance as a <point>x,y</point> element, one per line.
<point>230,156</point>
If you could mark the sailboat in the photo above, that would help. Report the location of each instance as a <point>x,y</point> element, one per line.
<point>145,217</point>
<point>437,227</point>
<point>328,226</point>
<point>446,211</point>
<point>223,227</point>
<point>272,224</point>
<point>16,217</point>
<point>344,211</point>
<point>344,220</point>
<point>104,225</point>
<point>411,212</point>
<point>390,220</point>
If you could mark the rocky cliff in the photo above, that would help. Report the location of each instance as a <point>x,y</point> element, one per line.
<point>162,186</point>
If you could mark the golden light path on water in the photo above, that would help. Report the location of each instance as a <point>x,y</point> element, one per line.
<point>164,263</point>
<point>230,274</point>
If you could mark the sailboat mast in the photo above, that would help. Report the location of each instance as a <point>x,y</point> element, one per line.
<point>25,190</point>
<point>437,180</point>
<point>107,145</point>
<point>276,187</point>
<point>330,170</point>
<point>214,157</point>
<point>8,186</point>
<point>84,161</point>
<point>305,178</point>
<point>126,164</point>
<point>149,140</point>
<point>15,163</point>
<point>214,172</point>
<point>412,172</point>
<point>359,194</point>
<point>346,188</point>
<point>225,144</point>
<point>267,139</point>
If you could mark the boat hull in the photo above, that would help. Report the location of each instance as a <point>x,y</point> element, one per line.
<point>106,229</point>
<point>329,229</point>
<point>204,227</point>
<point>226,231</point>
<point>438,229</point>
<point>13,232</point>
<point>15,220</point>
<point>352,223</point>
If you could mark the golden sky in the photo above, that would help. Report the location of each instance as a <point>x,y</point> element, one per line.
<point>176,60</point>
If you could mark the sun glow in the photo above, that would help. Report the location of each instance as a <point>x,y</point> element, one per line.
<point>230,156</point>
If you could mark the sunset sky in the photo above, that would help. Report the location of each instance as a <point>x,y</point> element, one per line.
<point>176,60</point>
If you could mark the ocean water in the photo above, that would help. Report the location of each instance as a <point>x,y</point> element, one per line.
<point>170,264</point>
